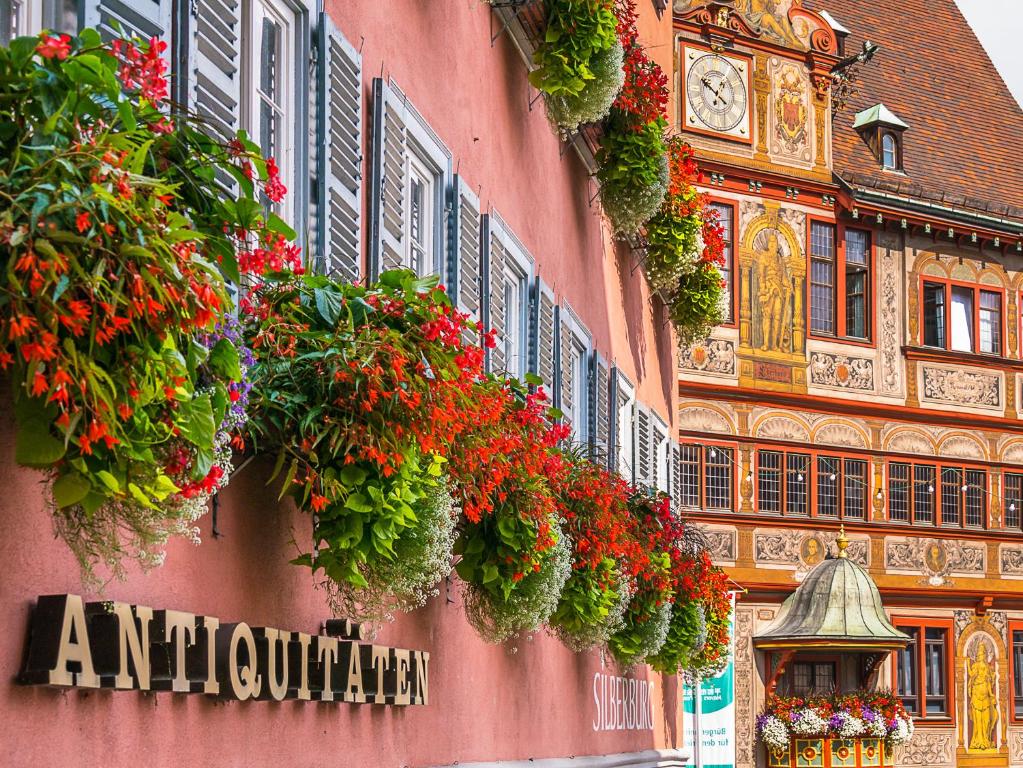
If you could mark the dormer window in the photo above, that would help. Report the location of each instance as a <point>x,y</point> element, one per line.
<point>889,151</point>
<point>882,131</point>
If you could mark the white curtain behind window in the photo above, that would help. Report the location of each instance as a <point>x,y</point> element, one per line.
<point>962,320</point>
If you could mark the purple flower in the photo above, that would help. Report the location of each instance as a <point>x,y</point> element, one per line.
<point>868,715</point>
<point>795,717</point>
<point>836,720</point>
<point>761,722</point>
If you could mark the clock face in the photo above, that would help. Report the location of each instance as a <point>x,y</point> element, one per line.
<point>716,95</point>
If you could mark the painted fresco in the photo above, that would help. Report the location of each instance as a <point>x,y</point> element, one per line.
<point>767,17</point>
<point>790,112</point>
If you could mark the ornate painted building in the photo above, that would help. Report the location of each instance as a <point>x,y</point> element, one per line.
<point>864,161</point>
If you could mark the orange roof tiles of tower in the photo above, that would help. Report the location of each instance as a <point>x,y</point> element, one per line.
<point>962,147</point>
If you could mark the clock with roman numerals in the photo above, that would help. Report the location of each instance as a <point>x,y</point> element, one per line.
<point>716,94</point>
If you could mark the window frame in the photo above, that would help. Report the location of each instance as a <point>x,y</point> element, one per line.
<point>939,469</point>
<point>921,623</point>
<point>733,307</point>
<point>815,660</point>
<point>702,476</point>
<point>896,151</point>
<point>976,289</point>
<point>1013,625</point>
<point>625,453</point>
<point>840,290</point>
<point>582,342</point>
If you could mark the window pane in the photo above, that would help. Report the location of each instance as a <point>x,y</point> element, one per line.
<point>719,478</point>
<point>769,481</point>
<point>976,491</point>
<point>951,495</point>
<point>936,673</point>
<point>906,673</point>
<point>961,317</point>
<point>857,247</point>
<point>824,677</point>
<point>854,500</point>
<point>1012,500</point>
<point>689,476</point>
<point>857,271</point>
<point>822,277</point>
<point>829,480</point>
<point>898,492</point>
<point>934,315</point>
<point>990,322</point>
<point>1017,672</point>
<point>725,219</point>
<point>889,152</point>
<point>797,483</point>
<point>802,679</point>
<point>923,493</point>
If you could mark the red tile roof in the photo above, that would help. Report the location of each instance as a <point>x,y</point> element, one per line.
<point>964,145</point>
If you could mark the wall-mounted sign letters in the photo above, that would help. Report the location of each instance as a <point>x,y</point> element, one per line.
<point>132,647</point>
<point>623,703</point>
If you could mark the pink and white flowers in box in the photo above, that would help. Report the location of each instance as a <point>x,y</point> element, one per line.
<point>876,714</point>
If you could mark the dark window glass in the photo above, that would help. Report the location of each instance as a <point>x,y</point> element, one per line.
<point>822,277</point>
<point>725,219</point>
<point>769,470</point>
<point>857,271</point>
<point>923,493</point>
<point>898,491</point>
<point>854,501</point>
<point>719,463</point>
<point>906,677</point>
<point>829,481</point>
<point>934,315</point>
<point>812,677</point>
<point>689,476</point>
<point>797,483</point>
<point>990,323</point>
<point>1017,673</point>
<point>951,495</point>
<point>976,490</point>
<point>1013,498</point>
<point>936,671</point>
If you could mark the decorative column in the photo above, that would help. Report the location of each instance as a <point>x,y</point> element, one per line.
<point>761,92</point>
<point>821,103</point>
<point>746,481</point>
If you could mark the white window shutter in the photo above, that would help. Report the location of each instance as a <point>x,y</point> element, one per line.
<point>214,87</point>
<point>659,453</point>
<point>496,310</point>
<point>543,361</point>
<point>339,158</point>
<point>466,272</point>
<point>387,188</point>
<point>566,376</point>
<point>675,477</point>
<point>139,18</point>
<point>625,427</point>
<point>643,442</point>
<point>599,388</point>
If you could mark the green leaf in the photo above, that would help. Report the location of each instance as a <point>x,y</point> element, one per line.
<point>35,446</point>
<point>195,420</point>
<point>533,379</point>
<point>127,113</point>
<point>357,502</point>
<point>224,360</point>
<point>70,489</point>
<point>109,480</point>
<point>328,304</point>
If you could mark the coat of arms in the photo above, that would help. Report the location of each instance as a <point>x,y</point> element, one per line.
<point>790,110</point>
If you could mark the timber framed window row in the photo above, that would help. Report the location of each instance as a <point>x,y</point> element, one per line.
<point>811,483</point>
<point>940,495</point>
<point>922,671</point>
<point>706,477</point>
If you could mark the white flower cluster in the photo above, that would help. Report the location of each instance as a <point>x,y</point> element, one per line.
<point>878,728</point>
<point>903,732</point>
<point>851,727</point>
<point>810,724</point>
<point>594,101</point>
<point>774,733</point>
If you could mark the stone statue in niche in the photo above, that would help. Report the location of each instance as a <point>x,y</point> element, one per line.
<point>772,292</point>
<point>980,677</point>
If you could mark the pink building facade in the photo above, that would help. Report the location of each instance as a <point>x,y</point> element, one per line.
<point>408,135</point>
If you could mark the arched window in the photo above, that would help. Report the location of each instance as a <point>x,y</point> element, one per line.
<point>889,151</point>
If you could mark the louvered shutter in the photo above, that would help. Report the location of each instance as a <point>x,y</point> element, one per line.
<point>612,420</point>
<point>138,18</point>
<point>339,158</point>
<point>658,453</point>
<point>625,427</point>
<point>214,87</point>
<point>387,187</point>
<point>566,376</point>
<point>643,441</point>
<point>542,356</point>
<point>497,314</point>
<point>599,388</point>
<point>465,271</point>
<point>675,478</point>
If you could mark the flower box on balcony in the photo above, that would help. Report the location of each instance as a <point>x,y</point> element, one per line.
<point>868,752</point>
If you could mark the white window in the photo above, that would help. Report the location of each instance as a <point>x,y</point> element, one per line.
<point>516,302</point>
<point>419,223</point>
<point>270,77</point>
<point>580,392</point>
<point>661,452</point>
<point>889,152</point>
<point>29,17</point>
<point>962,319</point>
<point>625,405</point>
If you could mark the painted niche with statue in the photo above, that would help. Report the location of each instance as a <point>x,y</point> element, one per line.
<point>772,275</point>
<point>983,682</point>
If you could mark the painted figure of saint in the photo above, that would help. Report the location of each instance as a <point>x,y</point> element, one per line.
<point>771,293</point>
<point>765,14</point>
<point>983,709</point>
